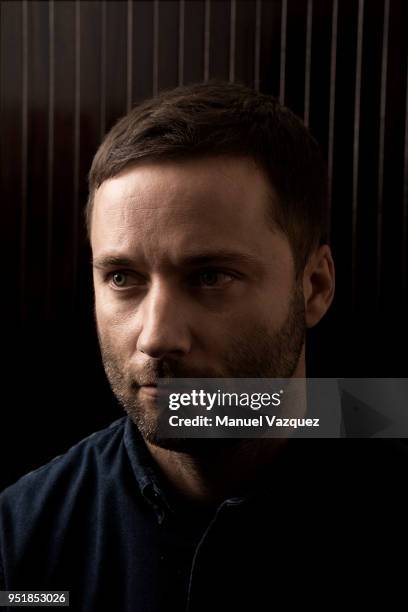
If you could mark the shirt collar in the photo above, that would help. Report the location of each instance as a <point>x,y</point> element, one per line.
<point>144,470</point>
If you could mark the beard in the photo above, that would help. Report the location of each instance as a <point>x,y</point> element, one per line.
<point>255,353</point>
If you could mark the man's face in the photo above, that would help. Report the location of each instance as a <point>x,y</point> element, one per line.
<point>191,281</point>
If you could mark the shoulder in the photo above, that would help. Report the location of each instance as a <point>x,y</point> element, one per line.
<point>57,512</point>
<point>66,474</point>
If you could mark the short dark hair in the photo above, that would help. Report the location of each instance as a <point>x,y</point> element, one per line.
<point>222,118</point>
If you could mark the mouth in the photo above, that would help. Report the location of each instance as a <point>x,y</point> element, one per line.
<point>149,390</point>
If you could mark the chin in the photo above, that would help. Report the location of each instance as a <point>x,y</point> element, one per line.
<point>196,447</point>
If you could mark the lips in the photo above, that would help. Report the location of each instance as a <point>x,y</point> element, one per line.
<point>149,390</point>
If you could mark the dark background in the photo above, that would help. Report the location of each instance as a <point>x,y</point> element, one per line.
<point>68,70</point>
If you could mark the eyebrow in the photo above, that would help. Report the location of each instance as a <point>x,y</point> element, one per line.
<point>110,261</point>
<point>199,259</point>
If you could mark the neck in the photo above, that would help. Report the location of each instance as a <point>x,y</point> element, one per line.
<point>220,468</point>
<point>217,472</point>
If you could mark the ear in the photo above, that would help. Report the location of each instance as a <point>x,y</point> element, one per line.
<point>318,284</point>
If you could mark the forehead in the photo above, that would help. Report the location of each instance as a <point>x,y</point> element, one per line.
<point>165,209</point>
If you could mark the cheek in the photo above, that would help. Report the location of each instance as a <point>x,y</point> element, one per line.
<point>277,310</point>
<point>268,307</point>
<point>265,307</point>
<point>114,327</point>
<point>275,302</point>
<point>102,316</point>
<point>110,313</point>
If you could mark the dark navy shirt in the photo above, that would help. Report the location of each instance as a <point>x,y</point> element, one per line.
<point>97,522</point>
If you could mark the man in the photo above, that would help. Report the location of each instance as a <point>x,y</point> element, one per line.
<point>207,217</point>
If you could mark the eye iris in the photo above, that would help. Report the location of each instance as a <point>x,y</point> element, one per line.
<point>119,279</point>
<point>210,278</point>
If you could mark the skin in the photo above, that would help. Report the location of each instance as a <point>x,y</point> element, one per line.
<point>160,311</point>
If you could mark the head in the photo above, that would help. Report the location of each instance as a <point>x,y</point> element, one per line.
<point>207,217</point>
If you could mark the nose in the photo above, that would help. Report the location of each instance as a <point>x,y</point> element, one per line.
<point>164,322</point>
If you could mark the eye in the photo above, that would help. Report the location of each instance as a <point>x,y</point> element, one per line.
<point>213,279</point>
<point>119,279</point>
<point>122,279</point>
